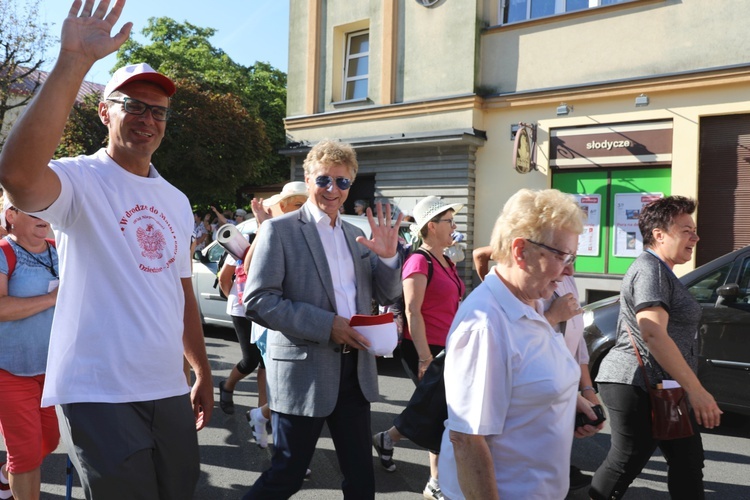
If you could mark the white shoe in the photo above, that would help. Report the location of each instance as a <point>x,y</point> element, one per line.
<point>258,423</point>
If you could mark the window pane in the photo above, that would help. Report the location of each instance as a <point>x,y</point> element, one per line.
<point>359,44</point>
<point>516,11</point>
<point>358,66</point>
<point>541,8</point>
<point>610,2</point>
<point>356,89</point>
<point>572,5</point>
<point>704,290</point>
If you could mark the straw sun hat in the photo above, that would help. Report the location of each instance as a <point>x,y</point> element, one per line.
<point>428,208</point>
<point>290,189</point>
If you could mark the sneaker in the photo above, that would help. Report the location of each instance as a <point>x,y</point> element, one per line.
<point>5,493</point>
<point>258,424</point>
<point>578,479</point>
<point>385,454</point>
<point>226,399</point>
<point>432,492</point>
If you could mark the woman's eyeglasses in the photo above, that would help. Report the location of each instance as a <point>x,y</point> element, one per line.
<point>136,107</point>
<point>567,259</point>
<point>326,181</point>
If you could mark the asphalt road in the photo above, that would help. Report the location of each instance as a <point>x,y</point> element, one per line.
<point>231,461</point>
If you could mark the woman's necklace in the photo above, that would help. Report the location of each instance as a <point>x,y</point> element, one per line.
<point>49,267</point>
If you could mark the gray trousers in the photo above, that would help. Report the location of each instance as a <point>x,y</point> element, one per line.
<point>144,450</point>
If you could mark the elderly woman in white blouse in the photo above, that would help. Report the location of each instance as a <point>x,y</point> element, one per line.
<point>510,381</point>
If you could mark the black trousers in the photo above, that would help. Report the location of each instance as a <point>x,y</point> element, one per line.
<point>251,357</point>
<point>295,438</point>
<point>632,446</point>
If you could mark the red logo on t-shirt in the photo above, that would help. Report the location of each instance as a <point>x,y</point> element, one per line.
<point>152,241</point>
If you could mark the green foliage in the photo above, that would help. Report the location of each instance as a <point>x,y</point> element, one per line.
<point>84,132</point>
<point>23,41</point>
<point>183,51</point>
<point>211,145</point>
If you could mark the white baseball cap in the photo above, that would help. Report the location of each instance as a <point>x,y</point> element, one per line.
<point>139,72</point>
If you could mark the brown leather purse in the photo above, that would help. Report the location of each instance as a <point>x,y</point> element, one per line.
<point>669,410</point>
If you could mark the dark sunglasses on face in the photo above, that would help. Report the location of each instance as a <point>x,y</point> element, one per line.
<point>136,107</point>
<point>326,181</point>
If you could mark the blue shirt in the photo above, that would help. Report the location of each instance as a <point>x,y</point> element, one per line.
<point>24,342</point>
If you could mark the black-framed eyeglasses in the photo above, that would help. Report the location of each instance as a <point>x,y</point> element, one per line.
<point>567,259</point>
<point>326,181</point>
<point>136,107</point>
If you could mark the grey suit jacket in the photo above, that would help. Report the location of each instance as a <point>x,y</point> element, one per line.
<point>289,289</point>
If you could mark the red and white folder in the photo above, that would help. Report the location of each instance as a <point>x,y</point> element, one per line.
<point>380,330</point>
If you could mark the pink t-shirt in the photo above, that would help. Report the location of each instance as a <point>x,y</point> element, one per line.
<point>441,298</point>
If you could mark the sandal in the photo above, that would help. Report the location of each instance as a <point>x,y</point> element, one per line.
<point>226,399</point>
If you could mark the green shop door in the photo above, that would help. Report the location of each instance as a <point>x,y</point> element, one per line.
<point>612,199</point>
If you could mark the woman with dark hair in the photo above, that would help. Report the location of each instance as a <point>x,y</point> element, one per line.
<point>663,317</point>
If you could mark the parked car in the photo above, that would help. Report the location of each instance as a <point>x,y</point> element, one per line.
<point>211,304</point>
<point>722,287</point>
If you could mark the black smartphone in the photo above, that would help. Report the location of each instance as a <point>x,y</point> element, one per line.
<point>582,419</point>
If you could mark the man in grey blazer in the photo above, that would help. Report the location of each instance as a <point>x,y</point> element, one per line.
<point>310,273</point>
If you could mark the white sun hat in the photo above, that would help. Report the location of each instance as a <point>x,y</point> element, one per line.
<point>296,188</point>
<point>428,208</point>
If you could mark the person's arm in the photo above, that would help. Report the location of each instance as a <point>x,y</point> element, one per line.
<point>225,277</point>
<point>652,322</point>
<point>414,290</point>
<point>481,257</point>
<point>219,216</point>
<point>13,308</point>
<point>32,141</point>
<point>202,393</point>
<point>261,214</point>
<point>474,466</point>
<point>562,309</point>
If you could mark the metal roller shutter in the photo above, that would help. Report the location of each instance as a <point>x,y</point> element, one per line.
<point>723,186</point>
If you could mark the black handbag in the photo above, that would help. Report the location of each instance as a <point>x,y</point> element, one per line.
<point>423,419</point>
<point>669,410</point>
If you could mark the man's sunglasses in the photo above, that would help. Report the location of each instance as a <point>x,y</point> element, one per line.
<point>326,181</point>
<point>136,107</point>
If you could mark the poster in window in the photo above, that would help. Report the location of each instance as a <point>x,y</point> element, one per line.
<point>588,241</point>
<point>628,240</point>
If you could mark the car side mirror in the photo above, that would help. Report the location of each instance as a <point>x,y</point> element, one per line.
<point>198,255</point>
<point>728,294</point>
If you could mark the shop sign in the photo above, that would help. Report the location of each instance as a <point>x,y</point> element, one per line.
<point>624,144</point>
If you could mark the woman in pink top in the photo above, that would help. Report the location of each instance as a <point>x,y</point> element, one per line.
<point>432,293</point>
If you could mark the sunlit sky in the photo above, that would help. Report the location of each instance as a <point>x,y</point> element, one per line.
<point>247,30</point>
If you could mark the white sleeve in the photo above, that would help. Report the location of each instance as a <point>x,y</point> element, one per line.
<point>478,379</point>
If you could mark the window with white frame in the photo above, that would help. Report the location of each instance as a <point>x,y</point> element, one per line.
<point>356,65</point>
<point>522,10</point>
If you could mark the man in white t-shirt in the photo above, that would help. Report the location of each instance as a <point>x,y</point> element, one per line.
<point>126,309</point>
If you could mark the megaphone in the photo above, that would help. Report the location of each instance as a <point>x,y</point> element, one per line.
<point>233,241</point>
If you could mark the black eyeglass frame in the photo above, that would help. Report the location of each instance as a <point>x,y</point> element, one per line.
<point>147,107</point>
<point>326,181</point>
<point>568,259</point>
